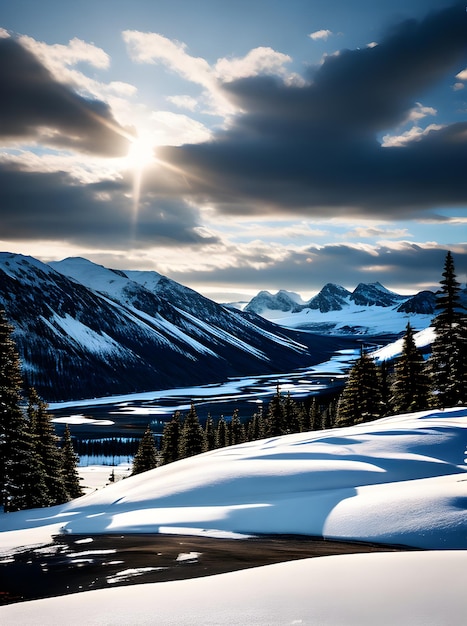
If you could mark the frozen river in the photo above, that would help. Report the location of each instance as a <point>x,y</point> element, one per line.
<point>128,415</point>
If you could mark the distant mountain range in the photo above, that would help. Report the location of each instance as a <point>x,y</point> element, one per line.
<point>83,330</point>
<point>369,309</point>
<point>335,298</point>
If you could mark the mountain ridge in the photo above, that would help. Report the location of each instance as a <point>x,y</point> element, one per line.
<point>90,331</point>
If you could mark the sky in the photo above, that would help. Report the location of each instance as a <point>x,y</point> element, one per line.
<point>235,147</point>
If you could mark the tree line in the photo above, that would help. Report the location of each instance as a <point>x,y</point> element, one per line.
<point>34,470</point>
<point>372,391</point>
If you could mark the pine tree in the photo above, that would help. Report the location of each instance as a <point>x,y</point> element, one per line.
<point>447,364</point>
<point>361,398</point>
<point>315,416</point>
<point>70,462</point>
<point>146,456</point>
<point>275,420</point>
<point>210,433</point>
<point>386,380</point>
<point>21,477</point>
<point>256,426</point>
<point>192,440</point>
<point>291,415</point>
<point>171,439</point>
<point>410,388</point>
<point>223,435</point>
<point>46,444</point>
<point>236,430</point>
<point>326,418</point>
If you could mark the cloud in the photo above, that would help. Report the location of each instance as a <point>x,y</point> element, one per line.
<point>399,266</point>
<point>155,48</point>
<point>313,149</point>
<point>374,232</point>
<point>55,206</point>
<point>36,107</point>
<point>58,55</point>
<point>320,35</point>
<point>258,61</point>
<point>414,134</point>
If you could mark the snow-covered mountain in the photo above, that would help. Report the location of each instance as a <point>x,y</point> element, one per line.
<point>282,301</point>
<point>83,330</point>
<point>369,309</point>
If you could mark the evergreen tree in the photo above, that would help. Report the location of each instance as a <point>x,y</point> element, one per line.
<point>171,439</point>
<point>410,388</point>
<point>46,444</point>
<point>326,418</point>
<point>361,398</point>
<point>275,421</point>
<point>256,426</point>
<point>21,477</point>
<point>146,456</point>
<point>303,417</point>
<point>192,440</point>
<point>70,462</point>
<point>447,364</point>
<point>291,415</point>
<point>223,435</point>
<point>386,380</point>
<point>236,430</point>
<point>210,433</point>
<point>315,415</point>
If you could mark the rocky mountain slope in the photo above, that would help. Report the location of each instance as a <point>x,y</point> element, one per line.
<point>83,330</point>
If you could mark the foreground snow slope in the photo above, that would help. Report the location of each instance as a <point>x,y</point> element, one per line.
<point>397,480</point>
<point>416,588</point>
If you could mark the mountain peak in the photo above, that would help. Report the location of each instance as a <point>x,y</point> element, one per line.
<point>375,294</point>
<point>331,298</point>
<point>282,301</point>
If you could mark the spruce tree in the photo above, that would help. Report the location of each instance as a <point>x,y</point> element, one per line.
<point>70,462</point>
<point>210,433</point>
<point>315,416</point>
<point>171,439</point>
<point>447,364</point>
<point>236,429</point>
<point>21,474</point>
<point>256,426</point>
<point>326,418</point>
<point>223,435</point>
<point>146,456</point>
<point>192,440</point>
<point>275,420</point>
<point>46,443</point>
<point>291,414</point>
<point>410,388</point>
<point>361,398</point>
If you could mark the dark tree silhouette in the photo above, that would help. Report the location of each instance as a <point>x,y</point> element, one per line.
<point>411,385</point>
<point>146,456</point>
<point>70,464</point>
<point>447,364</point>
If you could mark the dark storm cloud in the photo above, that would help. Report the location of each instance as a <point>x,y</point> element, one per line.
<point>34,106</point>
<point>54,206</point>
<point>314,148</point>
<point>407,266</point>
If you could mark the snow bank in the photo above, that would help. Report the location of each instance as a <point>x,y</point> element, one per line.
<point>416,588</point>
<point>396,480</point>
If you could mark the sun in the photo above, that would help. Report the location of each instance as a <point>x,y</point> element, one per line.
<point>141,153</point>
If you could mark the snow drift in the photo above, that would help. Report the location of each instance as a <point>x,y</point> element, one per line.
<point>397,480</point>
